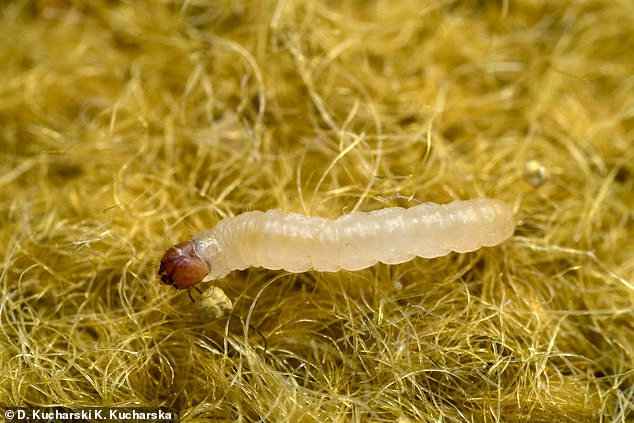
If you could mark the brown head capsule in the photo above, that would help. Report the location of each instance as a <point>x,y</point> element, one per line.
<point>181,266</point>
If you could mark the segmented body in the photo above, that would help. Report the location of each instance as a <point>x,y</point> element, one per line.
<point>296,243</point>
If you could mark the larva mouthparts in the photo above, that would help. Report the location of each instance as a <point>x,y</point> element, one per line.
<point>276,240</point>
<point>182,267</point>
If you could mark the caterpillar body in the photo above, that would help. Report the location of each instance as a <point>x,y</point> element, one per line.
<point>296,243</point>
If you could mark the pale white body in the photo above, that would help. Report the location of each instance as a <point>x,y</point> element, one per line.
<point>291,241</point>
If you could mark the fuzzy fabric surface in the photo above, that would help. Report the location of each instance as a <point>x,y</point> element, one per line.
<point>129,126</point>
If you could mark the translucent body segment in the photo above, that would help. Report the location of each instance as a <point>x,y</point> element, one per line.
<point>290,241</point>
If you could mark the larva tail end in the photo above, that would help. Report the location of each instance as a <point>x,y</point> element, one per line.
<point>181,266</point>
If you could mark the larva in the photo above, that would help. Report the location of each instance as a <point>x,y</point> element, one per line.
<point>296,243</point>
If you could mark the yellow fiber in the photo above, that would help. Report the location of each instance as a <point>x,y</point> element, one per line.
<point>126,127</point>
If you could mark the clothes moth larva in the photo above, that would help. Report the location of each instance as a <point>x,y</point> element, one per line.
<point>296,243</point>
